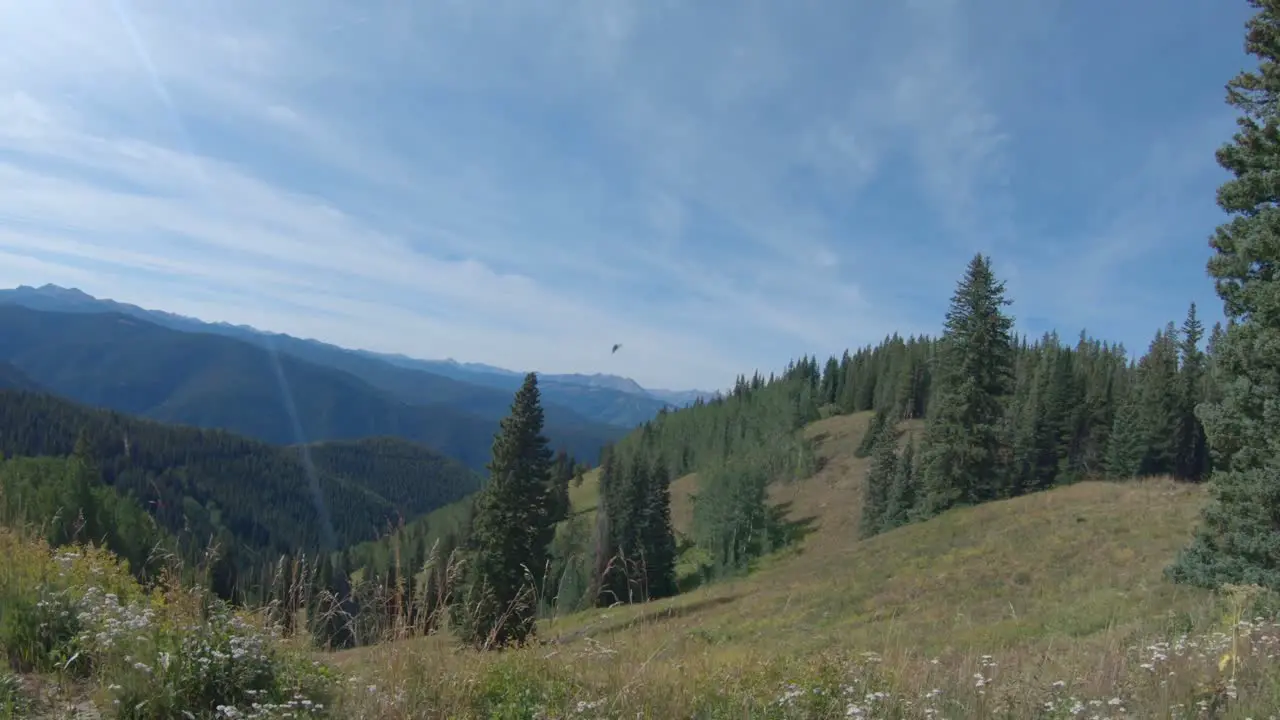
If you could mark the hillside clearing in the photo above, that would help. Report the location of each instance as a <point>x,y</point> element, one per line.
<point>1057,584</point>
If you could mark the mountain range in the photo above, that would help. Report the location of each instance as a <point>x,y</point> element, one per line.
<point>597,398</point>
<point>123,363</point>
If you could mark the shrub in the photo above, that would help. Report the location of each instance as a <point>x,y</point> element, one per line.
<point>169,652</point>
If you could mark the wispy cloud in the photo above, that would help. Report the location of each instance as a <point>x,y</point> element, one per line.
<point>525,184</point>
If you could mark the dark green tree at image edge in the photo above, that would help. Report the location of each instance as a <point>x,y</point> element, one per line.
<point>1238,540</point>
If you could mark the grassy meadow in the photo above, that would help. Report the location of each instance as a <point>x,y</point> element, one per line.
<point>1051,605</point>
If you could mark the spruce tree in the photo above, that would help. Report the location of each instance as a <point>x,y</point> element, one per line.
<point>1066,412</point>
<point>1191,459</point>
<point>510,531</point>
<point>1159,403</point>
<point>1237,541</point>
<point>1213,377</point>
<point>828,391</point>
<point>613,523</point>
<point>878,483</point>
<point>901,503</point>
<point>77,514</point>
<point>1035,431</point>
<point>632,528</point>
<point>1127,446</point>
<point>558,499</point>
<point>660,541</point>
<point>871,437</point>
<point>973,377</point>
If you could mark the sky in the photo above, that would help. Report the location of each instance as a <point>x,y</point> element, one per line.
<point>718,185</point>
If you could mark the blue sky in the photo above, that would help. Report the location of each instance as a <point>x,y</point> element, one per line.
<point>716,185</point>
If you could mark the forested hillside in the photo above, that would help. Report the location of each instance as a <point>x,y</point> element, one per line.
<point>41,492</point>
<point>136,367</point>
<point>255,501</point>
<point>1047,413</point>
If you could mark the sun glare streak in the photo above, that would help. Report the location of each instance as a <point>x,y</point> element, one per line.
<point>157,85</point>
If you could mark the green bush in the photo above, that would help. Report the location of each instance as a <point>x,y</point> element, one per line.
<point>174,652</point>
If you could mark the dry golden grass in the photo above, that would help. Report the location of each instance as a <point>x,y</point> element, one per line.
<point>1057,586</point>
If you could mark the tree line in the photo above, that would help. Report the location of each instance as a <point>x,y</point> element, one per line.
<point>1003,417</point>
<point>1006,418</point>
<point>249,500</point>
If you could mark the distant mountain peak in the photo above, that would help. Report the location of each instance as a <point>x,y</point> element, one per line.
<point>57,291</point>
<point>63,299</point>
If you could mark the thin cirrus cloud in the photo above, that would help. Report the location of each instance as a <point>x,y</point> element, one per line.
<point>525,184</point>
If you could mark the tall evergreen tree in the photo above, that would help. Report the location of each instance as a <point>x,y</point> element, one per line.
<point>879,483</point>
<point>829,390</point>
<point>558,499</point>
<point>1191,455</point>
<point>609,578</point>
<point>902,493</point>
<point>876,427</point>
<point>974,376</point>
<point>1238,540</point>
<point>78,514</point>
<point>511,530</point>
<point>1128,441</point>
<point>659,537</point>
<point>1158,396</point>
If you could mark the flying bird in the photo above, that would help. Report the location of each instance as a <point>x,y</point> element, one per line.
<point>615,348</point>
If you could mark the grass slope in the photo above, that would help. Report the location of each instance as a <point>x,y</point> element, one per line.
<point>1058,584</point>
<point>1049,606</point>
<point>1070,562</point>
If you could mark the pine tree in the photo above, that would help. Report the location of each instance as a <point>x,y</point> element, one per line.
<point>1211,390</point>
<point>660,541</point>
<point>871,437</point>
<point>1191,459</point>
<point>1065,410</point>
<point>878,483</point>
<point>561,475</point>
<point>829,390</point>
<point>510,530</point>
<point>77,508</point>
<point>632,528</point>
<point>1159,403</point>
<point>973,378</point>
<point>1037,429</point>
<point>613,521</point>
<point>1237,540</point>
<point>903,492</point>
<point>1128,442</point>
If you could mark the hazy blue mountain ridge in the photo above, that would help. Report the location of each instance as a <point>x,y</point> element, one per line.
<point>597,398</point>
